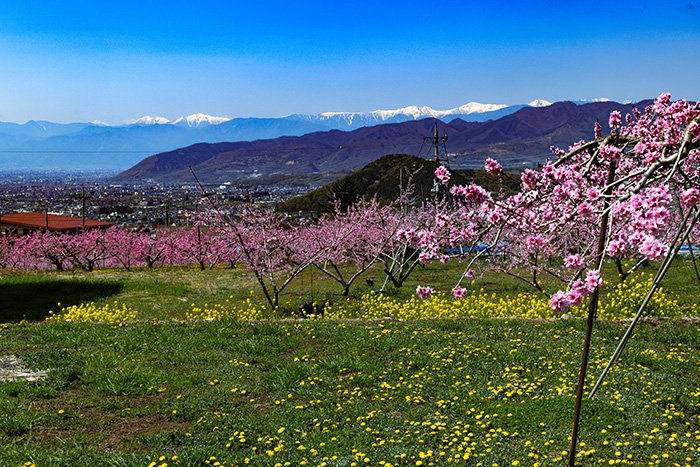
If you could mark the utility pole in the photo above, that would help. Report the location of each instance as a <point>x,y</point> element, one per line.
<point>436,139</point>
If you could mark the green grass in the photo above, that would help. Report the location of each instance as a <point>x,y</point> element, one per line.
<point>403,392</point>
<point>165,293</point>
<point>345,391</point>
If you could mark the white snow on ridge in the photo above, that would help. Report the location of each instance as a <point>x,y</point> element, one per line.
<point>414,111</point>
<point>595,99</point>
<point>148,120</point>
<point>199,119</point>
<point>473,108</point>
<point>539,103</point>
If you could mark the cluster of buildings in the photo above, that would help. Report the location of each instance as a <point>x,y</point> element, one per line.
<point>70,204</point>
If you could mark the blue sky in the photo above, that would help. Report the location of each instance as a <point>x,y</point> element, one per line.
<point>118,60</point>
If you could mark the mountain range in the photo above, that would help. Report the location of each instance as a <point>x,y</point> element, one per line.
<point>47,145</point>
<point>517,139</point>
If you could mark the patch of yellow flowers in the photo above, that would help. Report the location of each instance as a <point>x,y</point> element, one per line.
<point>624,299</point>
<point>476,304</point>
<point>620,302</point>
<point>248,311</point>
<point>110,313</point>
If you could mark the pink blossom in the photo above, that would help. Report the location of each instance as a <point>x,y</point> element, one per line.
<point>593,280</point>
<point>611,153</point>
<point>528,179</point>
<point>443,174</point>
<point>560,302</point>
<point>593,194</point>
<point>597,130</point>
<point>557,152</point>
<point>493,167</point>
<point>652,248</point>
<point>635,238</point>
<point>425,257</point>
<point>459,292</point>
<point>661,103</point>
<point>469,273</point>
<point>585,210</point>
<point>424,292</point>
<point>615,119</point>
<point>534,243</point>
<point>496,215</point>
<point>472,192</point>
<point>573,262</point>
<point>690,197</point>
<point>617,248</point>
<point>404,234</point>
<point>694,130</point>
<point>425,238</point>
<point>577,293</point>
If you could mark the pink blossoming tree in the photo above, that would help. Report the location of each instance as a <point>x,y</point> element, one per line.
<point>632,194</point>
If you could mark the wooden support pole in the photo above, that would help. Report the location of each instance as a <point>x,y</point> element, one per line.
<point>592,311</point>
<point>650,293</point>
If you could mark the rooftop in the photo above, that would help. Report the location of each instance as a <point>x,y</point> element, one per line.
<point>56,223</point>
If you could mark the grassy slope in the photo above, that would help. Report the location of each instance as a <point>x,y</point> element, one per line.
<point>340,392</point>
<point>377,387</point>
<point>165,293</point>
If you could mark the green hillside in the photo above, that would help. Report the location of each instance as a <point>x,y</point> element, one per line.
<point>384,178</point>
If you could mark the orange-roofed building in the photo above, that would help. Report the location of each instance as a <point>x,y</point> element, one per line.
<point>22,223</point>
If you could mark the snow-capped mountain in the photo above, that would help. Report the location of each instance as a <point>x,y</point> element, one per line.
<point>197,120</point>
<point>521,139</point>
<point>417,112</point>
<point>472,111</point>
<point>539,103</point>
<point>41,144</point>
<point>148,120</point>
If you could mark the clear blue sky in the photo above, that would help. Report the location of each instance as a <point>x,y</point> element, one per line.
<point>118,60</point>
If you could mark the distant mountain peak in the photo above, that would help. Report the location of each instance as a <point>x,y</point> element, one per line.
<point>148,120</point>
<point>199,119</point>
<point>473,108</point>
<point>411,112</point>
<point>539,103</point>
<point>595,99</point>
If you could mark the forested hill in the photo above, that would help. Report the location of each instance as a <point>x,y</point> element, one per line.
<point>384,179</point>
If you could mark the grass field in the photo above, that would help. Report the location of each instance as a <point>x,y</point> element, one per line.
<point>166,293</point>
<point>331,392</point>
<point>406,393</point>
